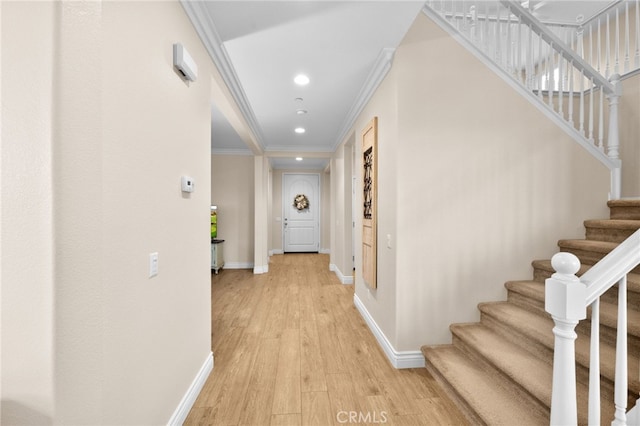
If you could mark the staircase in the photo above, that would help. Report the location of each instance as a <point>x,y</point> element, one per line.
<point>499,371</point>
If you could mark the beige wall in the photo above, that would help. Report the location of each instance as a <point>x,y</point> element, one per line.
<point>232,190</point>
<point>325,215</point>
<point>26,213</point>
<point>630,136</point>
<point>110,130</point>
<point>341,200</point>
<point>474,185</point>
<point>380,303</point>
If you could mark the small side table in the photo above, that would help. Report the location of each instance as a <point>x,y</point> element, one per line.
<point>217,257</point>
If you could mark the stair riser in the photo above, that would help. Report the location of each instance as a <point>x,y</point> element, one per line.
<point>514,336</point>
<point>522,394</point>
<point>624,212</point>
<point>591,257</point>
<point>608,234</point>
<point>611,296</point>
<point>528,303</point>
<point>608,335</point>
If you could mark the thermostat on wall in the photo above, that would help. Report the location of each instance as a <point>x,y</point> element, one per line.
<point>187,184</point>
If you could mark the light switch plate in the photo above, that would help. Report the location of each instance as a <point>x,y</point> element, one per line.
<point>186,184</point>
<point>153,264</point>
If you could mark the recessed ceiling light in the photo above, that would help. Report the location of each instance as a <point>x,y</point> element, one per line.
<point>299,130</point>
<point>301,111</point>
<point>298,158</point>
<point>301,80</point>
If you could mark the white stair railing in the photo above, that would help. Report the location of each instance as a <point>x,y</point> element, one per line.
<point>612,39</point>
<point>608,41</point>
<point>567,298</point>
<point>554,77</point>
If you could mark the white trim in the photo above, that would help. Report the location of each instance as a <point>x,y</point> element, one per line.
<point>534,100</point>
<point>201,20</point>
<point>324,251</point>
<point>378,72</point>
<point>344,279</point>
<point>403,359</point>
<point>238,265</point>
<point>633,417</point>
<point>276,251</point>
<point>189,398</point>
<point>261,269</point>
<point>229,151</point>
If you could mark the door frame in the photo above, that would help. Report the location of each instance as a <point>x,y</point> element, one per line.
<point>282,206</point>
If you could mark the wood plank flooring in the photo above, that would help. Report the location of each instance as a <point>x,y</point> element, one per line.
<point>290,348</point>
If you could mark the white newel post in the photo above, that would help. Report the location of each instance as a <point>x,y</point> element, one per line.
<point>613,145</point>
<point>565,300</point>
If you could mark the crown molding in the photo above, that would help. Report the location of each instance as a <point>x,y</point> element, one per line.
<point>199,17</point>
<point>223,151</point>
<point>379,71</point>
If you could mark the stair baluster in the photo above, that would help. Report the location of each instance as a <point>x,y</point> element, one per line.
<point>541,71</point>
<point>622,385</point>
<point>517,353</point>
<point>594,365</point>
<point>564,300</point>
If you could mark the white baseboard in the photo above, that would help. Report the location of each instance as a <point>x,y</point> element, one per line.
<point>324,251</point>
<point>344,279</point>
<point>276,251</point>
<point>261,269</point>
<point>238,265</point>
<point>403,359</point>
<point>181,412</point>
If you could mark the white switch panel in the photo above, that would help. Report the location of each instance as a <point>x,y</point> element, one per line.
<point>186,184</point>
<point>153,264</point>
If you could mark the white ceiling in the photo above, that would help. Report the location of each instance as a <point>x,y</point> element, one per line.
<point>345,47</point>
<point>340,45</point>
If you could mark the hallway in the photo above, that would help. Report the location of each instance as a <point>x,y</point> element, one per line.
<point>290,348</point>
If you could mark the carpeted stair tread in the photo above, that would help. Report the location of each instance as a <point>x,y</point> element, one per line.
<point>515,362</point>
<point>539,328</point>
<point>602,247</point>
<point>500,369</point>
<point>492,401</point>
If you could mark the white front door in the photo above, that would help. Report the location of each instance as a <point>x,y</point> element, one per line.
<point>301,212</point>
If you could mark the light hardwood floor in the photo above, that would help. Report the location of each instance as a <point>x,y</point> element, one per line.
<point>290,348</point>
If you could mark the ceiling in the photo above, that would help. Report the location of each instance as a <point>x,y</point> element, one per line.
<point>344,47</point>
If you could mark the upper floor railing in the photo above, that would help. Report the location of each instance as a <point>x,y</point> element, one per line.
<point>610,41</point>
<point>555,77</point>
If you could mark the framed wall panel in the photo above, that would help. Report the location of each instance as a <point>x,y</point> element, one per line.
<point>370,199</point>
